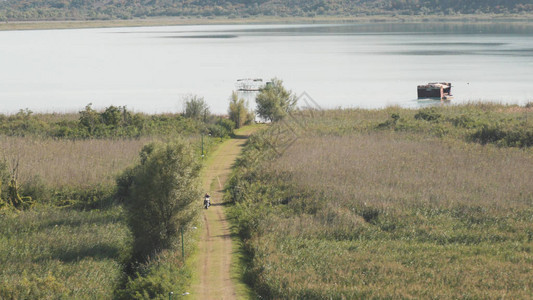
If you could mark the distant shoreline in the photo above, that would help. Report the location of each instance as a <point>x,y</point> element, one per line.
<point>173,21</point>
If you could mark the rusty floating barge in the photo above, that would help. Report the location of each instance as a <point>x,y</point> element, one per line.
<point>435,90</point>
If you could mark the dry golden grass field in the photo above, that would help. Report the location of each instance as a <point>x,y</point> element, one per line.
<point>78,163</point>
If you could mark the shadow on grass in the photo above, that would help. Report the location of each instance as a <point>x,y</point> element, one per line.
<point>97,252</point>
<point>242,269</point>
<point>219,204</point>
<point>241,137</point>
<point>100,221</point>
<point>83,218</point>
<point>37,220</point>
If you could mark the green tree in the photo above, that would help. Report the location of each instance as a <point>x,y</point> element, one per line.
<point>274,101</point>
<point>238,111</point>
<point>89,118</point>
<point>196,108</point>
<point>113,116</point>
<point>158,195</point>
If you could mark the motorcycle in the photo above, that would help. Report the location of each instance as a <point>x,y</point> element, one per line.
<point>207,203</point>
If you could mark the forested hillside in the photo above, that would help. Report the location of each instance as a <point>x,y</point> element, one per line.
<point>11,10</point>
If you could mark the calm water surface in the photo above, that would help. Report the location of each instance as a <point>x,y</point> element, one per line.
<point>151,69</point>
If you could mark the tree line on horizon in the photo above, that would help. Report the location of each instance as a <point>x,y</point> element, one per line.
<point>15,10</point>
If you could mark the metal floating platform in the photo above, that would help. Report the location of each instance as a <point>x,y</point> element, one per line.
<point>435,90</point>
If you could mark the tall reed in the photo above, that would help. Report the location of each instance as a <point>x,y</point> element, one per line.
<point>78,163</point>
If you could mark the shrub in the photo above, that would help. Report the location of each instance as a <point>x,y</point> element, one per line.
<point>216,130</point>
<point>516,136</point>
<point>428,114</point>
<point>238,111</point>
<point>391,122</point>
<point>35,188</point>
<point>14,199</point>
<point>196,108</point>
<point>463,121</point>
<point>227,124</point>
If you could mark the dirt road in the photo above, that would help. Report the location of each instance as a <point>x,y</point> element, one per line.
<point>215,248</point>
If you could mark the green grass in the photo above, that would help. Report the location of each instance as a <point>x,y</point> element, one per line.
<point>357,209</point>
<point>53,253</point>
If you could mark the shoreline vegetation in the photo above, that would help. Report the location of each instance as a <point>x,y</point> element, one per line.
<point>525,18</point>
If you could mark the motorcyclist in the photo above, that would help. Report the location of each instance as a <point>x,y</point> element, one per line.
<point>207,202</point>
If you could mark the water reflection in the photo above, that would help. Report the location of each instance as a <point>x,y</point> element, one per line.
<point>206,36</point>
<point>427,28</point>
<point>405,28</point>
<point>454,44</point>
<point>433,52</point>
<point>369,65</point>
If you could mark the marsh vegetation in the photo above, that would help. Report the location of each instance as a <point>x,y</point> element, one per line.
<point>78,238</point>
<point>390,203</point>
<point>52,253</point>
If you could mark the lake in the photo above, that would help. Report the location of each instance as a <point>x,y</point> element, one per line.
<point>152,69</point>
